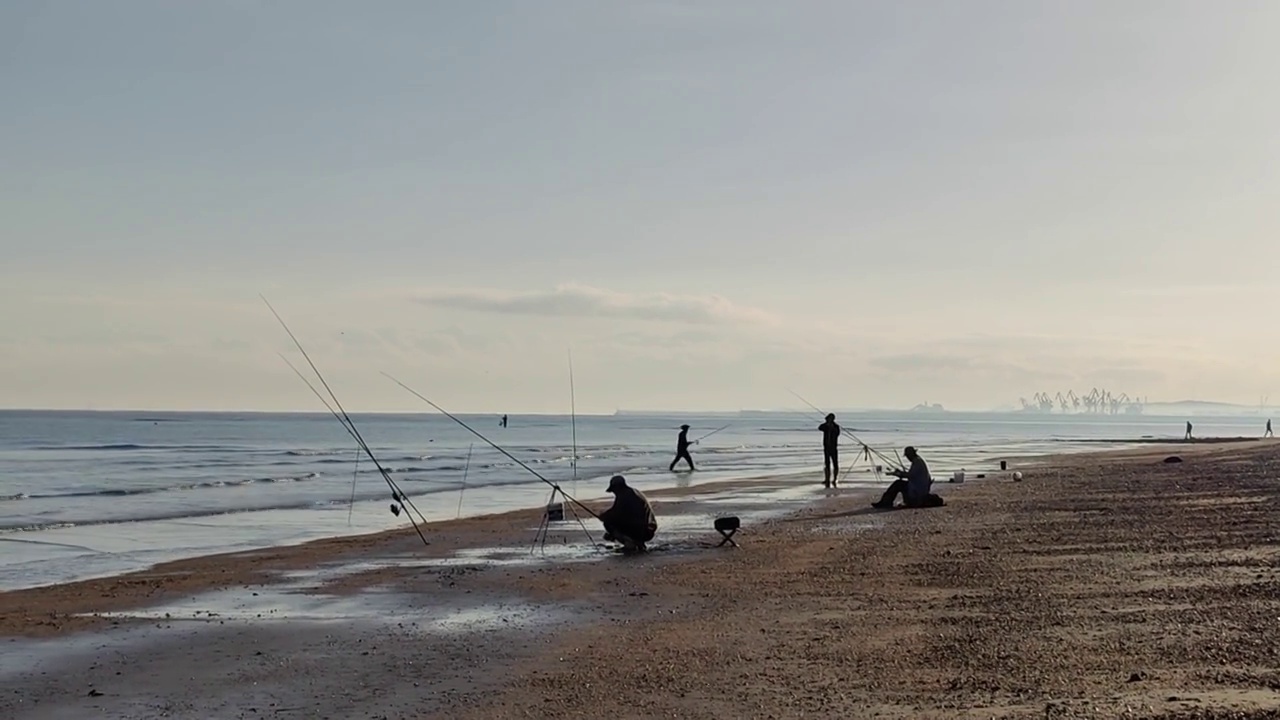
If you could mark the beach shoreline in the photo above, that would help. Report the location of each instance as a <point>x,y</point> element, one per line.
<point>91,550</point>
<point>59,607</point>
<point>87,495</point>
<point>794,621</point>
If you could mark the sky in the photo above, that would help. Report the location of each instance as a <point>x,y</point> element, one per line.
<point>703,204</point>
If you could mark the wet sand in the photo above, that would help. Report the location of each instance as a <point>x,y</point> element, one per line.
<point>56,609</point>
<point>1103,585</point>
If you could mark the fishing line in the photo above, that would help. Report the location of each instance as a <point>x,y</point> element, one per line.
<point>465,470</point>
<point>351,504</point>
<point>347,423</point>
<point>492,444</point>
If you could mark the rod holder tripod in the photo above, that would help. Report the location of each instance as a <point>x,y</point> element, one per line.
<point>554,512</point>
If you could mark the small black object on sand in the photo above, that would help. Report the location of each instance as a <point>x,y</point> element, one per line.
<point>727,527</point>
<point>1173,459</point>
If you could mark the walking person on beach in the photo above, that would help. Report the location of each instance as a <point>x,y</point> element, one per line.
<point>1268,433</point>
<point>913,484</point>
<point>630,519</point>
<point>1188,435</point>
<point>682,450</point>
<point>830,451</point>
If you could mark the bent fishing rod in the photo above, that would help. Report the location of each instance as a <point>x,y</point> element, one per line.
<point>848,432</point>
<point>493,445</point>
<point>348,424</point>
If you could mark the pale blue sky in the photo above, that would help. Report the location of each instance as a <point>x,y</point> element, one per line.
<point>875,203</point>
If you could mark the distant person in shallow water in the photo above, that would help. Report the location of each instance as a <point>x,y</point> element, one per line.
<point>630,521</point>
<point>1188,435</point>
<point>913,484</point>
<point>682,449</point>
<point>1268,433</point>
<point>830,451</point>
<point>503,422</point>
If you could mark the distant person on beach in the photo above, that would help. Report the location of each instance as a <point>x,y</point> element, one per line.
<point>913,484</point>
<point>830,451</point>
<point>630,520</point>
<point>682,449</point>
<point>504,421</point>
<point>1268,433</point>
<point>1188,435</point>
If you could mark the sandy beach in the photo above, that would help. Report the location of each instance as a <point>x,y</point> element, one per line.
<point>1103,585</point>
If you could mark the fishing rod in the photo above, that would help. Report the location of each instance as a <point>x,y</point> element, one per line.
<point>544,527</point>
<point>397,494</point>
<point>848,432</point>
<point>713,432</point>
<point>493,445</point>
<point>848,468</point>
<point>573,423</point>
<point>349,425</point>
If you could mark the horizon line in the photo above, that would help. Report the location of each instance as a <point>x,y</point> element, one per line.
<point>1009,410</point>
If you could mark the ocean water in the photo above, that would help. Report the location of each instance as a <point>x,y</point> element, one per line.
<point>86,494</point>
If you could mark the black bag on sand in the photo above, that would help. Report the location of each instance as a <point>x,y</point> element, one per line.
<point>930,501</point>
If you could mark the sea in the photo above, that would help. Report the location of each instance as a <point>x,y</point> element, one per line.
<point>92,494</point>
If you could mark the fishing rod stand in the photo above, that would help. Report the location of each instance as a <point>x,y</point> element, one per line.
<point>554,512</point>
<point>875,468</point>
<point>864,454</point>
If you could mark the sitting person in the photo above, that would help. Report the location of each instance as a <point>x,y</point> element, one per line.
<point>914,485</point>
<point>630,520</point>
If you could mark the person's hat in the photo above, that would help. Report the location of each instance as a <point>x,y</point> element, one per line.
<point>910,450</point>
<point>616,483</point>
<point>684,427</point>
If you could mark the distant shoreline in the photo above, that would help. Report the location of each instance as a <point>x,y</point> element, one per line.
<point>1227,411</point>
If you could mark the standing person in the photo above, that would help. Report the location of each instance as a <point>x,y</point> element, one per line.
<point>913,483</point>
<point>830,451</point>
<point>682,450</point>
<point>1268,433</point>
<point>1188,435</point>
<point>503,422</point>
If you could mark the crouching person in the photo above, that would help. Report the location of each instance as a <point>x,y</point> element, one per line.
<point>630,520</point>
<point>913,484</point>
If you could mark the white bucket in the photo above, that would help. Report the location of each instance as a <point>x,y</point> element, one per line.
<point>958,476</point>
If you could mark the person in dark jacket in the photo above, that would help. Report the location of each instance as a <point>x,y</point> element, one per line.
<point>630,521</point>
<point>913,484</point>
<point>682,449</point>
<point>830,451</point>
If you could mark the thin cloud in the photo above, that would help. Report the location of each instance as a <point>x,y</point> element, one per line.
<point>584,301</point>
